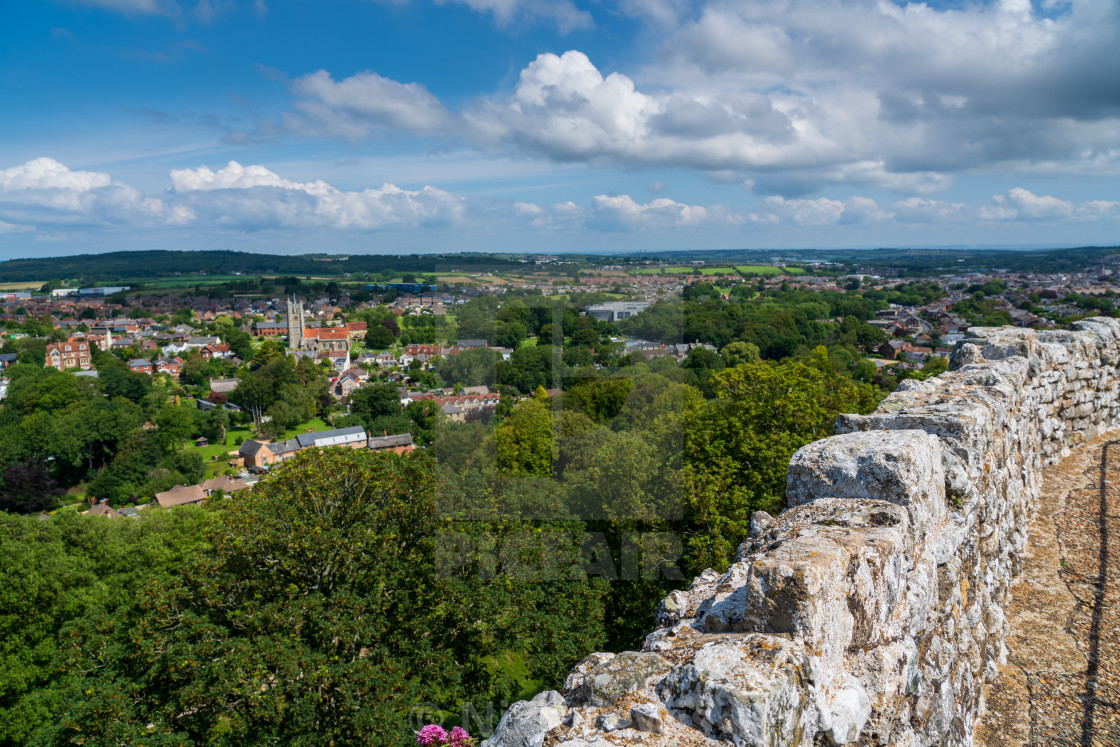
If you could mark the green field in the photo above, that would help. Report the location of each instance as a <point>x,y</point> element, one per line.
<point>683,270</point>
<point>768,270</point>
<point>756,270</point>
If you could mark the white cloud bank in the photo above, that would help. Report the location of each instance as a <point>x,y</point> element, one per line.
<point>794,95</point>
<point>563,14</point>
<point>252,197</point>
<point>45,194</point>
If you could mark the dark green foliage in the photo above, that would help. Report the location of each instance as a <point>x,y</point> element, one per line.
<point>27,487</point>
<point>473,367</point>
<point>332,601</point>
<point>375,401</point>
<point>529,368</point>
<point>599,399</point>
<point>112,266</point>
<point>72,569</point>
<point>379,337</point>
<point>115,380</point>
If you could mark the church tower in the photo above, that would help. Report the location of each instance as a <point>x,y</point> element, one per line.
<point>295,324</point>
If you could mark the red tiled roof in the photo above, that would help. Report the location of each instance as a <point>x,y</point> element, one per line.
<point>327,333</point>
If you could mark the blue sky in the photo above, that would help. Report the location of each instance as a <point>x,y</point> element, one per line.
<point>556,125</point>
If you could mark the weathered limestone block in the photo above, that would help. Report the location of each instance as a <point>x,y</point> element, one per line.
<point>684,604</point>
<point>900,466</point>
<point>842,719</point>
<point>526,723</point>
<point>966,426</point>
<point>888,674</point>
<point>750,693</point>
<point>611,722</point>
<point>630,671</point>
<point>574,683</point>
<point>833,587</point>
<point>648,717</point>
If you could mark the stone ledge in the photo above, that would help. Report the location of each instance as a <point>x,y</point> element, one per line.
<point>875,608</point>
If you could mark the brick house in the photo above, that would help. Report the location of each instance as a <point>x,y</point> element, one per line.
<point>70,354</point>
<point>139,365</point>
<point>169,365</point>
<point>271,329</point>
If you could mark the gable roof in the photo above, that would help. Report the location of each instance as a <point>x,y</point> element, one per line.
<point>222,482</point>
<point>346,434</point>
<point>250,448</point>
<point>224,385</point>
<point>103,509</point>
<point>389,442</point>
<point>180,495</point>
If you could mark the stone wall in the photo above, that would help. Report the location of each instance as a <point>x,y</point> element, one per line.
<point>871,611</point>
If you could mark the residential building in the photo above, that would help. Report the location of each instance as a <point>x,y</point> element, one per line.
<point>70,354</point>
<point>102,508</point>
<point>265,454</point>
<point>400,443</point>
<point>181,495</point>
<point>271,329</point>
<point>169,365</point>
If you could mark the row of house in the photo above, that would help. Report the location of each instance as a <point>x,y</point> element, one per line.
<point>265,453</point>
<point>183,495</point>
<point>172,366</point>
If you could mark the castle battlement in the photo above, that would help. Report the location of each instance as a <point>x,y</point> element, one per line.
<point>874,608</point>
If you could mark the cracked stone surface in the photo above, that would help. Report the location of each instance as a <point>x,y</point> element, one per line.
<point>1061,683</point>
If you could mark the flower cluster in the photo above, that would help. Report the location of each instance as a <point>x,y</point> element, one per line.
<point>433,734</point>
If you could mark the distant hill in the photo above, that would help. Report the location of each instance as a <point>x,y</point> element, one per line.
<point>95,268</point>
<point>912,261</point>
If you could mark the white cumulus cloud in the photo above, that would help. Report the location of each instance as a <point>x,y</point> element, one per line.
<point>1034,206</point>
<point>46,192</point>
<point>253,197</point>
<point>920,210</point>
<point>363,104</point>
<point>47,173</point>
<point>821,211</point>
<point>622,212</point>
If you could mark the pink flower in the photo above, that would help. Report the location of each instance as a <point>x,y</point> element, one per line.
<point>460,738</point>
<point>432,734</point>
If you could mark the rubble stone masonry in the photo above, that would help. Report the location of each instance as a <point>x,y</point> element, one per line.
<point>873,609</point>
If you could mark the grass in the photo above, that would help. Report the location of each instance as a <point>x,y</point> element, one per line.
<point>21,286</point>
<point>764,270</point>
<point>683,270</point>
<point>768,270</point>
